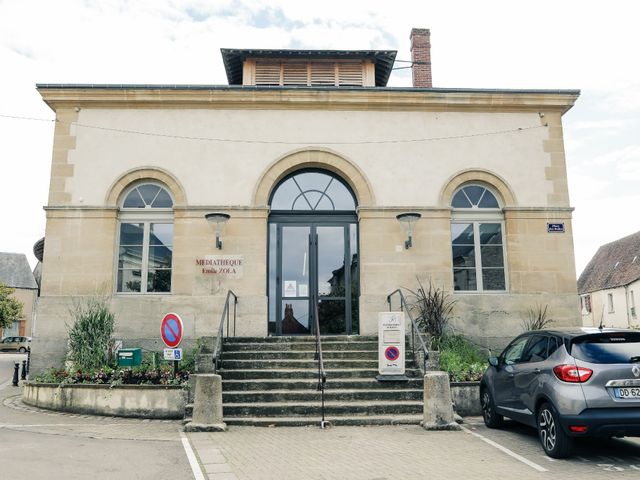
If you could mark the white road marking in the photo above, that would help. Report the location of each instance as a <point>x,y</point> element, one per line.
<point>520,458</point>
<point>193,461</point>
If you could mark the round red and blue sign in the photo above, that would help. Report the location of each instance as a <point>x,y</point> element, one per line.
<point>171,330</point>
<point>392,353</point>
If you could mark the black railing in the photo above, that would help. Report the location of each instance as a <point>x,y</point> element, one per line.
<point>322,375</point>
<point>415,332</point>
<point>226,315</point>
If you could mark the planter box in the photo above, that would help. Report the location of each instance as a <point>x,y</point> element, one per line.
<point>141,401</point>
<point>466,396</point>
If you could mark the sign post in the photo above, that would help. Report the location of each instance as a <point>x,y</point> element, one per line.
<point>171,330</point>
<point>391,346</point>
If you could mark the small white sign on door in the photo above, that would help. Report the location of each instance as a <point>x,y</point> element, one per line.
<point>290,288</point>
<point>303,290</point>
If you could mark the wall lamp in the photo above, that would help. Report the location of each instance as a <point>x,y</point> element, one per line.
<point>220,219</point>
<point>407,220</point>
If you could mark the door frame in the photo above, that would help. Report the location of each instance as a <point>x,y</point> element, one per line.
<point>323,219</point>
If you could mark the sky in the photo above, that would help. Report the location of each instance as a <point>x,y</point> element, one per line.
<point>558,44</point>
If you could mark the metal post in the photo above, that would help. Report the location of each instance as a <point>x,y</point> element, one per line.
<point>16,373</point>
<point>175,369</point>
<point>28,360</point>
<point>23,375</point>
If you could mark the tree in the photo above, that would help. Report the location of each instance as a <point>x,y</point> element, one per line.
<point>10,308</point>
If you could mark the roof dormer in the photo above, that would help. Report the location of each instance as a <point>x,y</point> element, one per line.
<point>308,68</point>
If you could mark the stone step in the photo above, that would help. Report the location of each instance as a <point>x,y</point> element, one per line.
<point>331,395</point>
<point>332,383</point>
<point>298,346</point>
<point>304,373</point>
<point>303,339</point>
<point>301,421</point>
<point>313,408</point>
<point>301,355</point>
<point>296,364</point>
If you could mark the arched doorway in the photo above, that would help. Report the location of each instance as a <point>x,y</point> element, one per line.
<point>313,255</point>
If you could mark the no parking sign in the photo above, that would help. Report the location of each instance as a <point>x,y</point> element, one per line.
<point>171,330</point>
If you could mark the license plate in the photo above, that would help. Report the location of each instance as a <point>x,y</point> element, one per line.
<point>627,392</point>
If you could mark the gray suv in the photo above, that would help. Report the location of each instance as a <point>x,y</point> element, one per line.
<point>567,383</point>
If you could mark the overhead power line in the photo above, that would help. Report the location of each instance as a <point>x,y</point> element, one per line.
<point>279,142</point>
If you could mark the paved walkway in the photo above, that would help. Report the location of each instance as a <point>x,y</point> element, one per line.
<point>372,453</point>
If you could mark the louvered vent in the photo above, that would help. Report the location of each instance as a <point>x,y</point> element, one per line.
<point>295,73</point>
<point>350,73</point>
<point>277,72</point>
<point>323,73</point>
<point>268,72</point>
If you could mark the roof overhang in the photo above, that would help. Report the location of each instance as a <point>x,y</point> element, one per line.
<point>234,58</point>
<point>338,98</point>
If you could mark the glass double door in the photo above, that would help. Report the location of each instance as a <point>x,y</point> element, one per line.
<point>313,264</point>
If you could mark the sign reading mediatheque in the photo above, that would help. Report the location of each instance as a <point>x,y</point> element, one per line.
<point>222,265</point>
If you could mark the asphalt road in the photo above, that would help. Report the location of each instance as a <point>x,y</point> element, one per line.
<point>38,444</point>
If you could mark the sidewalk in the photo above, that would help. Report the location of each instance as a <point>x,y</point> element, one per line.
<point>372,453</point>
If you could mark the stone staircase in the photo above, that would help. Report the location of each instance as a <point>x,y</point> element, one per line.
<point>272,381</point>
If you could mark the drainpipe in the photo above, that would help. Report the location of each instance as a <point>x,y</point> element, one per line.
<point>626,301</point>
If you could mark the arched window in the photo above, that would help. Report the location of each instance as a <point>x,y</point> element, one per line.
<point>145,240</point>
<point>477,240</point>
<point>312,191</point>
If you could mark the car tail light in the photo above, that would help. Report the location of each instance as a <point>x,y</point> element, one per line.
<point>578,428</point>
<point>572,373</point>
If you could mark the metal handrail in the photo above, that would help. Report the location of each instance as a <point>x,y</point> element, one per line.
<point>414,326</point>
<point>322,375</point>
<point>217,351</point>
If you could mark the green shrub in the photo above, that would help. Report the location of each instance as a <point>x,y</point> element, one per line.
<point>433,308</point>
<point>461,359</point>
<point>90,336</point>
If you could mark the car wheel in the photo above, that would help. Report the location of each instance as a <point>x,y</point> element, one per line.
<point>555,442</point>
<point>22,350</point>
<point>491,418</point>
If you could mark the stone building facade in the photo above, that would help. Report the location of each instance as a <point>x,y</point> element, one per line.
<point>304,147</point>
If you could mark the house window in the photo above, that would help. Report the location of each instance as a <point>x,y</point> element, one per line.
<point>610,302</point>
<point>145,240</point>
<point>477,240</point>
<point>585,301</point>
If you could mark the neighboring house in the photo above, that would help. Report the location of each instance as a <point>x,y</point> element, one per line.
<point>15,273</point>
<point>313,157</point>
<point>610,284</point>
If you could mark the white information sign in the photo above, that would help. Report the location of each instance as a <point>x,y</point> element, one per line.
<point>290,288</point>
<point>303,290</point>
<point>173,354</point>
<point>391,353</point>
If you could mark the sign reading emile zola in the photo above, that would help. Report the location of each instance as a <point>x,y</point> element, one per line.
<point>223,265</point>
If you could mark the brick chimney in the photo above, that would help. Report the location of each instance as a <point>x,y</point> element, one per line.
<point>421,57</point>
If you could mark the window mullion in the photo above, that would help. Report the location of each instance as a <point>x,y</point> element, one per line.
<point>145,257</point>
<point>478,252</point>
